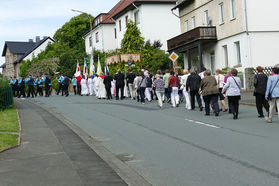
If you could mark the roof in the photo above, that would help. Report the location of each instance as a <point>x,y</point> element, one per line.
<point>35,46</point>
<point>16,47</point>
<point>182,4</point>
<point>123,6</point>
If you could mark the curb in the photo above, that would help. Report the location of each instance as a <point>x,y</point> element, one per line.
<point>129,175</point>
<point>19,136</point>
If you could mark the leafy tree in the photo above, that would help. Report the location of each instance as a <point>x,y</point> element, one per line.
<point>132,41</point>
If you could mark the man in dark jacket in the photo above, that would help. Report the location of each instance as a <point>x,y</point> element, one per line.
<point>65,85</point>
<point>30,84</point>
<point>47,85</point>
<point>130,81</point>
<point>21,87</point>
<point>119,78</point>
<point>107,82</point>
<point>15,87</point>
<point>193,85</point>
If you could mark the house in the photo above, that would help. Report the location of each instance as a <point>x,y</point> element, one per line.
<point>227,33</point>
<point>153,17</point>
<point>15,52</point>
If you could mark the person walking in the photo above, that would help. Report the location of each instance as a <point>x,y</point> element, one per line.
<point>193,86</point>
<point>210,92</point>
<point>166,80</point>
<point>119,78</point>
<point>141,86</point>
<point>148,87</point>
<point>233,89</point>
<point>30,84</point>
<point>90,86</point>
<point>79,85</point>
<point>173,84</point>
<point>272,92</point>
<point>220,84</point>
<point>136,82</point>
<point>65,85</point>
<point>260,84</point>
<point>60,87</point>
<point>159,86</point>
<point>84,87</point>
<point>40,86</point>
<point>130,81</point>
<point>107,81</point>
<point>15,87</point>
<point>74,81</point>
<point>47,85</point>
<point>183,88</point>
<point>21,87</point>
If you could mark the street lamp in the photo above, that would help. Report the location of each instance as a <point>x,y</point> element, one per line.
<point>90,24</point>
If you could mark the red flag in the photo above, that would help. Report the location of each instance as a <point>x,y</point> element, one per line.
<point>77,74</point>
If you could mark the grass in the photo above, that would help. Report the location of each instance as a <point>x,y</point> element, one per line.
<point>8,140</point>
<point>9,120</point>
<point>8,126</point>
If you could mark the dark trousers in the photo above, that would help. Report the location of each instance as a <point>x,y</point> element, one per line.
<point>30,91</point>
<point>234,104</point>
<point>108,93</point>
<point>47,91</point>
<point>15,90</point>
<point>79,90</point>
<point>167,94</point>
<point>193,94</point>
<point>40,91</point>
<point>75,89</point>
<point>65,90</point>
<point>121,87</point>
<point>260,103</point>
<point>59,88</point>
<point>142,94</point>
<point>21,92</point>
<point>214,101</point>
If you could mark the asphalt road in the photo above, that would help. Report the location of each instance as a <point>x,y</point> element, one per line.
<point>174,146</point>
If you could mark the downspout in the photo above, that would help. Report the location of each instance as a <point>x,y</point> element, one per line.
<point>175,14</point>
<point>135,6</point>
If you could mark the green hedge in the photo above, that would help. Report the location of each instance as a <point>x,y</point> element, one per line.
<point>6,94</point>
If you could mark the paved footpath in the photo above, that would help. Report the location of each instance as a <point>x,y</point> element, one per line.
<point>52,154</point>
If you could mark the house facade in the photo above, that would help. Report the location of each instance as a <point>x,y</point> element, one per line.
<point>15,52</point>
<point>153,17</point>
<point>227,33</point>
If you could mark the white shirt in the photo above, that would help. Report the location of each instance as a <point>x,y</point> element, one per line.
<point>220,80</point>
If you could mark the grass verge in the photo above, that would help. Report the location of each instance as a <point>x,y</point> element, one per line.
<point>9,127</point>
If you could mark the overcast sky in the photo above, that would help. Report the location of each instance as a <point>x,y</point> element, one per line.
<point>21,20</point>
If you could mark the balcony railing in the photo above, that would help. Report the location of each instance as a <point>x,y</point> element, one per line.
<point>199,33</point>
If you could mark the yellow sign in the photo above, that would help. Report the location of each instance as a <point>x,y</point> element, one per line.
<point>173,57</point>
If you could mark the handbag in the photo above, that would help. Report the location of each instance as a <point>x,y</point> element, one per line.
<point>138,89</point>
<point>269,96</point>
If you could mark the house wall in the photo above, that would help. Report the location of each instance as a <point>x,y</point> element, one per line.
<point>228,28</point>
<point>107,40</point>
<point>9,60</point>
<point>161,27</point>
<point>38,50</point>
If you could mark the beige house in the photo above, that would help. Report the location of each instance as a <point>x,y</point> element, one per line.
<point>227,33</point>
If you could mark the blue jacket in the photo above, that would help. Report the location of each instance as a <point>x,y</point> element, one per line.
<point>271,83</point>
<point>74,80</point>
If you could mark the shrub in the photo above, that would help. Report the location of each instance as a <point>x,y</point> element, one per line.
<point>6,94</point>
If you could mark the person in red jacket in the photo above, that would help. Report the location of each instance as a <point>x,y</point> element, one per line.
<point>78,85</point>
<point>173,84</point>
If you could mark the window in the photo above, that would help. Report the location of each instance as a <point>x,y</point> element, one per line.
<point>238,54</point>
<point>232,9</point>
<point>187,25</point>
<point>225,48</point>
<point>126,20</point>
<point>194,22</point>
<point>137,18</point>
<point>97,37</point>
<point>206,18</point>
<point>90,41</point>
<point>101,19</point>
<point>115,34</point>
<point>119,25</point>
<point>221,7</point>
<point>96,22</point>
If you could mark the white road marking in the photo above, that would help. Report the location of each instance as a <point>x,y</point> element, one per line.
<point>204,124</point>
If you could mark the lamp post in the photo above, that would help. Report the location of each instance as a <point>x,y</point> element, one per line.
<point>90,25</point>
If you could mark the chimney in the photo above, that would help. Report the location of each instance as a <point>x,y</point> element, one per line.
<point>30,40</point>
<point>45,37</point>
<point>37,39</point>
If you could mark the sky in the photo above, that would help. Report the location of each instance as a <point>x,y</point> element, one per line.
<point>21,20</point>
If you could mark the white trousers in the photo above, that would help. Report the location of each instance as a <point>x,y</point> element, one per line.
<point>174,96</point>
<point>187,99</point>
<point>160,95</point>
<point>148,93</point>
<point>273,103</point>
<point>132,90</point>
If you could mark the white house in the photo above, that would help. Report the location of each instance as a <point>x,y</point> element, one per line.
<point>153,17</point>
<point>227,33</point>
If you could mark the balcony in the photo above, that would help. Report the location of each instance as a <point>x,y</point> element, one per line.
<point>186,40</point>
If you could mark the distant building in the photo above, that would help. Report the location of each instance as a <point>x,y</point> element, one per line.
<point>15,52</point>
<point>153,17</point>
<point>227,33</point>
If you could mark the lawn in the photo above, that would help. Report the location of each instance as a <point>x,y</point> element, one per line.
<point>9,127</point>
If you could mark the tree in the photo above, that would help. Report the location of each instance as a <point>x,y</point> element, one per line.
<point>132,41</point>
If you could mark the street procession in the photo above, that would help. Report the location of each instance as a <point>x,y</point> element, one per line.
<point>139,93</point>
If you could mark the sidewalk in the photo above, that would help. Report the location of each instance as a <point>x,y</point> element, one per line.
<point>52,154</point>
<point>247,98</point>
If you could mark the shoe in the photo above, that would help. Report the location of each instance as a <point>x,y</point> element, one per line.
<point>261,116</point>
<point>169,100</point>
<point>234,116</point>
<point>268,119</point>
<point>226,110</point>
<point>201,109</point>
<point>207,114</point>
<point>143,103</point>
<point>216,113</point>
<point>177,105</point>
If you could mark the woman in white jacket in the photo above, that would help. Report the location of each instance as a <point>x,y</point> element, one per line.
<point>84,87</point>
<point>90,86</point>
<point>183,87</point>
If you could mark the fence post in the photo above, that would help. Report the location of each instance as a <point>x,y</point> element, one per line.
<point>249,79</point>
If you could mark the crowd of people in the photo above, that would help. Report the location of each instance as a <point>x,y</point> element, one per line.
<point>207,90</point>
